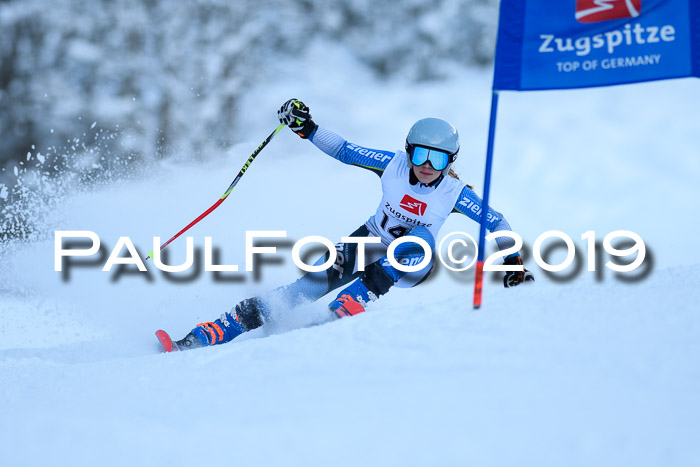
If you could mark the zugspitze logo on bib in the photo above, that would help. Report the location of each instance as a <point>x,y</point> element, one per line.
<point>413,206</point>
<point>594,11</point>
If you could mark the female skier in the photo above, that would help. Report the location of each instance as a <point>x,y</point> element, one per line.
<point>419,192</point>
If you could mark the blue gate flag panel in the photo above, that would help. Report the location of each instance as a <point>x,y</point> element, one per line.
<point>559,44</point>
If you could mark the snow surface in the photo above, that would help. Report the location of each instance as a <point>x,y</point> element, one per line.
<point>587,372</point>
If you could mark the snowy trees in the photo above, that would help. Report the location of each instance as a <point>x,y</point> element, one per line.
<point>164,77</point>
<point>171,71</point>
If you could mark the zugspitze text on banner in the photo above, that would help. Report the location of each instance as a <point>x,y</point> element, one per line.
<point>544,44</point>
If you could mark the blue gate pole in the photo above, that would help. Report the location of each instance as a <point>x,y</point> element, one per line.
<point>479,279</point>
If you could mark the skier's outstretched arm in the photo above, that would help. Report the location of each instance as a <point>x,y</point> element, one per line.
<point>471,205</point>
<point>295,114</point>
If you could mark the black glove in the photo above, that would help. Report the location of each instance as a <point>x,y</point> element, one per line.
<point>295,114</point>
<point>513,278</point>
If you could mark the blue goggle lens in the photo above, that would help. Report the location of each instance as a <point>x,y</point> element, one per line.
<point>438,159</point>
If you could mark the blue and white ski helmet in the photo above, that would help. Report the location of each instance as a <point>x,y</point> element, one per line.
<point>434,133</point>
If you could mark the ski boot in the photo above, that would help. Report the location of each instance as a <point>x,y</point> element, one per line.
<point>245,316</point>
<point>352,300</point>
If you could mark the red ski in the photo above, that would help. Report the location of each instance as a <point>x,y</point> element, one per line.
<point>165,341</point>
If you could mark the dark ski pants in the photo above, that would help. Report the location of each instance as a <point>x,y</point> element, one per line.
<point>314,285</point>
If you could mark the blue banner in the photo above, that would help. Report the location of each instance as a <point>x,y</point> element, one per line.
<point>559,44</point>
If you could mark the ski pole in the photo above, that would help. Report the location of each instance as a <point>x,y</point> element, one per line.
<point>228,191</point>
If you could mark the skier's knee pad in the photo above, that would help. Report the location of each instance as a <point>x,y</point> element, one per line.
<point>424,234</point>
<point>410,253</point>
<point>376,279</point>
<point>250,313</point>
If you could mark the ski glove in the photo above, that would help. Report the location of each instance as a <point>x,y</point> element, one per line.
<point>513,278</point>
<point>295,114</point>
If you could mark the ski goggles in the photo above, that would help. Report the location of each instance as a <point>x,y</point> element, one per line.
<point>420,155</point>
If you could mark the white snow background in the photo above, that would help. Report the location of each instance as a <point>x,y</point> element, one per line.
<point>585,372</point>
